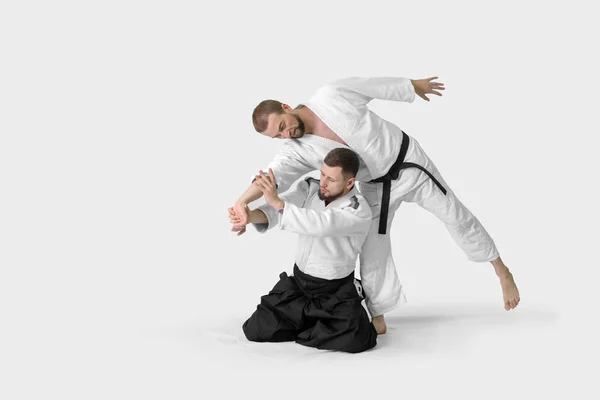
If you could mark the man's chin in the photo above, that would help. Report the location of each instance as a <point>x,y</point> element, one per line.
<point>327,198</point>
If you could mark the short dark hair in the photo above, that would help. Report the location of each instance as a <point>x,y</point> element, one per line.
<point>260,115</point>
<point>345,158</point>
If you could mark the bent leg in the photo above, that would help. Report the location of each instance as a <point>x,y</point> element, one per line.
<point>278,317</point>
<point>342,324</point>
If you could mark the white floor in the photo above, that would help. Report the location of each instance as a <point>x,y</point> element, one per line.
<point>144,342</point>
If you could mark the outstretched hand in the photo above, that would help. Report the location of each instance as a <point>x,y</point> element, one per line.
<point>426,86</point>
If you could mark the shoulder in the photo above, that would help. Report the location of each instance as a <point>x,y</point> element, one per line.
<point>292,148</point>
<point>330,89</point>
<point>358,205</point>
<point>312,181</point>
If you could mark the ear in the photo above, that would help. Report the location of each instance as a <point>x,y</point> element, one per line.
<point>350,182</point>
<point>287,107</point>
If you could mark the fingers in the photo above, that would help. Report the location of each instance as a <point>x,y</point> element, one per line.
<point>240,232</point>
<point>260,178</point>
<point>436,92</point>
<point>430,79</point>
<point>260,183</point>
<point>272,176</point>
<point>264,182</point>
<point>241,212</point>
<point>238,227</point>
<point>233,217</point>
<point>423,96</point>
<point>269,178</point>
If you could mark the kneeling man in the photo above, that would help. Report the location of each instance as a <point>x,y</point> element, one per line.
<point>320,304</point>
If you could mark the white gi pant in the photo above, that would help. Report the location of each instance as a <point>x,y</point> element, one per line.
<point>377,269</point>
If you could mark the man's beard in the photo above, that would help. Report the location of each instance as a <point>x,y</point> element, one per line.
<point>298,132</point>
<point>331,197</point>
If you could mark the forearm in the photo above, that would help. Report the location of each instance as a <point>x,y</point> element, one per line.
<point>251,194</point>
<point>257,217</point>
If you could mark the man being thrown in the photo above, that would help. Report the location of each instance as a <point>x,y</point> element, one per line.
<point>394,168</point>
<point>319,305</point>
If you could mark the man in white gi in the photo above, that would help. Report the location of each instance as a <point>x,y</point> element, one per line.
<point>394,168</point>
<point>319,305</point>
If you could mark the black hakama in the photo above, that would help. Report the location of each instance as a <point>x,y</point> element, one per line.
<point>321,313</point>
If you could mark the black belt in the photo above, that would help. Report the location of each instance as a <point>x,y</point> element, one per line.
<point>392,175</point>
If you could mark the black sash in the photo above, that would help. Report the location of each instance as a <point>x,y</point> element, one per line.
<point>392,175</point>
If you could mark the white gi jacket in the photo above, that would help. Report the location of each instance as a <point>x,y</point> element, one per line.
<point>342,106</point>
<point>330,237</point>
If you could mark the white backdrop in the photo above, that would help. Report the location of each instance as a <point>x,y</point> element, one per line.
<point>126,133</point>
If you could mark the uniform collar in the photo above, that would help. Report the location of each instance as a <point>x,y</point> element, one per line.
<point>343,199</point>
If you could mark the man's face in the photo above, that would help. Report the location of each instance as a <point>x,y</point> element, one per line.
<point>284,126</point>
<point>333,183</point>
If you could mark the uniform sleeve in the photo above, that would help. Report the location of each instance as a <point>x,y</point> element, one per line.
<point>296,197</point>
<point>288,166</point>
<point>344,221</point>
<point>360,91</point>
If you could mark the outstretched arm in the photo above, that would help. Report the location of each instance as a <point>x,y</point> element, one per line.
<point>266,216</point>
<point>361,91</point>
<point>289,165</point>
<point>251,194</point>
<point>290,215</point>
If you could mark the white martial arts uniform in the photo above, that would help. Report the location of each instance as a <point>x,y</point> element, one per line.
<point>342,106</point>
<point>329,237</point>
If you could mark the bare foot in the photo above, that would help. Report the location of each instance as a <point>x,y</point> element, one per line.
<point>509,288</point>
<point>509,291</point>
<point>379,324</point>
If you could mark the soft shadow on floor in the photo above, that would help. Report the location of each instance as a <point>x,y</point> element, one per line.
<point>417,330</point>
<point>453,327</point>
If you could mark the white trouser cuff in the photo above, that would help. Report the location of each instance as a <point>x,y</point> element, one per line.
<point>380,309</point>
